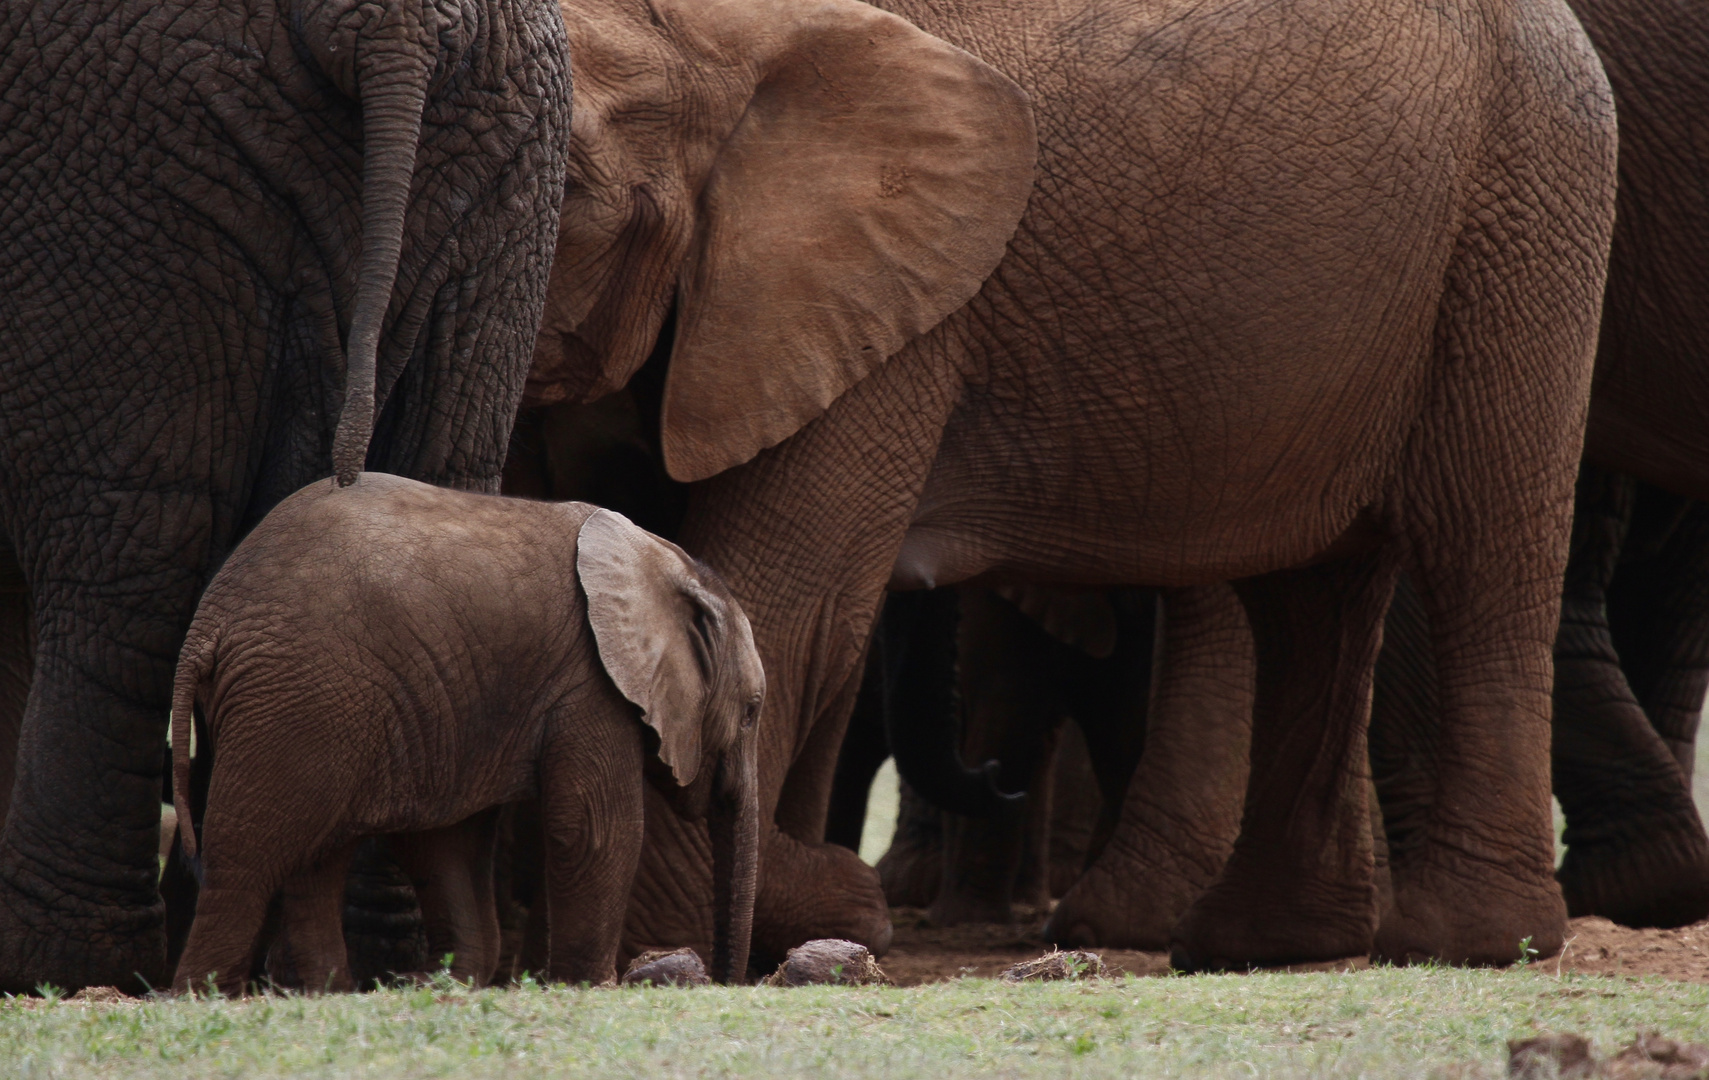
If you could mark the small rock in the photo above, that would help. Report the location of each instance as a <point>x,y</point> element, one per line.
<point>100,995</point>
<point>828,960</point>
<point>1054,965</point>
<point>677,967</point>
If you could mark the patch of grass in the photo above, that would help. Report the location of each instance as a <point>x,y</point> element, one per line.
<point>1380,1023</point>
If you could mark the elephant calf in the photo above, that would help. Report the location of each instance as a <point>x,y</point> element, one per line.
<point>397,659</point>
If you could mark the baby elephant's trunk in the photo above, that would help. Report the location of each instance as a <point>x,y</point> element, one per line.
<point>193,666</point>
<point>733,819</point>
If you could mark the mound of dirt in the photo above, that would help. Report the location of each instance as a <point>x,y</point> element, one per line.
<point>1599,947</point>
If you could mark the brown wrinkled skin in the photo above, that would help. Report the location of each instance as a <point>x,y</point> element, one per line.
<point>1181,814</point>
<point>1642,857</point>
<point>1632,652</point>
<point>182,211</point>
<point>1311,282</point>
<point>395,658</point>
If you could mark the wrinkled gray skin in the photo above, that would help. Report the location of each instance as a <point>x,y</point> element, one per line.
<point>1631,663</point>
<point>1298,294</point>
<point>398,658</point>
<point>1632,653</point>
<point>204,207</point>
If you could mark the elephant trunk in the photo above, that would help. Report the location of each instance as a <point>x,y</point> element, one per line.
<point>734,819</point>
<point>193,666</point>
<point>916,643</point>
<point>393,87</point>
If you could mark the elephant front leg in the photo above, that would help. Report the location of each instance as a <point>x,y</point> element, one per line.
<point>592,825</point>
<point>1298,886</point>
<point>1181,811</point>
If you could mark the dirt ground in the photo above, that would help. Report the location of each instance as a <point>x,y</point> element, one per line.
<point>922,953</point>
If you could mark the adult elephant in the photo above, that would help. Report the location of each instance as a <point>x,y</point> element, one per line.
<point>1632,656</point>
<point>255,210</point>
<point>1304,293</point>
<point>1650,399</point>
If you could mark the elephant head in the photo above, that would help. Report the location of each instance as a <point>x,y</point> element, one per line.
<point>677,645</point>
<point>810,185</point>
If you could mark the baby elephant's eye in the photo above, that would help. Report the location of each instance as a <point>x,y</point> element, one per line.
<point>750,713</point>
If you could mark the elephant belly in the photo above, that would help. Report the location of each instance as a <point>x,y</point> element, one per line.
<point>1211,336</point>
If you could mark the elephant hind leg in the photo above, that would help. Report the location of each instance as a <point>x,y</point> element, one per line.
<point>1636,849</point>
<point>1180,812</point>
<point>1484,503</point>
<point>1298,887</point>
<point>221,947</point>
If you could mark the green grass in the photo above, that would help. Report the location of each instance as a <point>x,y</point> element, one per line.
<point>1379,1023</point>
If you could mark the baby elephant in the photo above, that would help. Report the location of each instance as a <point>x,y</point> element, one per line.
<point>397,659</point>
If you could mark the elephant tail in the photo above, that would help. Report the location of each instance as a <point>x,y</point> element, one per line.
<point>393,88</point>
<point>193,666</point>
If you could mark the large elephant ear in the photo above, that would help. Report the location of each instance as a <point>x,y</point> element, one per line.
<point>869,190</point>
<point>653,623</point>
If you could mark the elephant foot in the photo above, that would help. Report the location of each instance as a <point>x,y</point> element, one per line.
<point>1244,922</point>
<point>1127,899</point>
<point>810,891</point>
<point>73,946</point>
<point>912,871</point>
<point>1659,878</point>
<point>1457,918</point>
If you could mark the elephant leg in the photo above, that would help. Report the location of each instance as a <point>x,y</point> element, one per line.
<point>1298,885</point>
<point>1181,810</point>
<point>308,952</point>
<point>79,854</point>
<point>1009,707</point>
<point>383,931</point>
<point>1403,736</point>
<point>221,946</point>
<point>911,869</point>
<point>1473,877</point>
<point>1636,849</point>
<point>517,875</point>
<point>452,872</point>
<point>1658,615</point>
<point>592,823</point>
<point>1110,700</point>
<point>1076,811</point>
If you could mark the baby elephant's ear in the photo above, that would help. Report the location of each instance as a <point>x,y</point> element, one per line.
<point>654,623</point>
